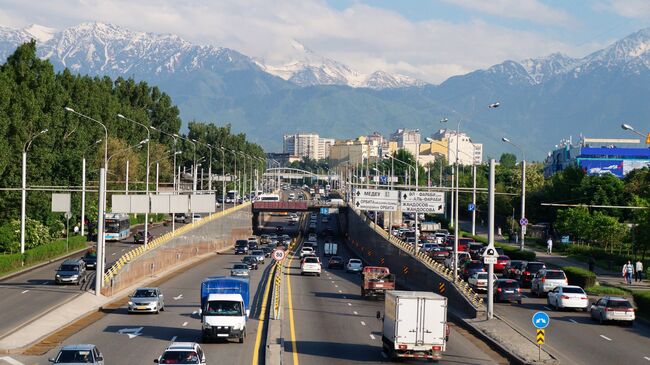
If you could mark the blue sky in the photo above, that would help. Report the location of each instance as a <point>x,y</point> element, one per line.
<point>427,39</point>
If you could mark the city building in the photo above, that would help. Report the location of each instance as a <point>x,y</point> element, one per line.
<point>469,153</point>
<point>354,152</point>
<point>598,156</point>
<point>407,139</point>
<point>284,159</point>
<point>307,145</point>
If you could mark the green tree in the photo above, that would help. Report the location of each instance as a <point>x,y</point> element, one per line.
<point>507,160</point>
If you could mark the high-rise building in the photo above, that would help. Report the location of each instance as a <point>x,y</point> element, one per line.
<point>324,145</point>
<point>469,153</point>
<point>408,139</point>
<point>307,145</point>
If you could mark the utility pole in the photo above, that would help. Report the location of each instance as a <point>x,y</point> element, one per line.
<point>474,200</point>
<point>490,296</point>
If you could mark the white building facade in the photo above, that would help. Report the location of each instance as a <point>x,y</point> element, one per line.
<point>307,145</point>
<point>469,153</point>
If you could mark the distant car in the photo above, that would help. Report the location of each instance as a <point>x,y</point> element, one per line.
<point>335,262</point>
<point>479,281</point>
<point>474,249</point>
<point>528,272</point>
<point>354,265</point>
<point>241,247</point>
<point>507,290</point>
<point>240,270</point>
<point>196,217</point>
<point>502,261</point>
<point>71,271</point>
<point>439,253</point>
<point>471,267</point>
<point>512,270</point>
<point>149,300</point>
<point>462,258</point>
<point>312,237</point>
<point>138,237</point>
<point>546,280</point>
<point>90,259</point>
<point>259,255</point>
<point>265,239</point>
<point>180,218</point>
<point>306,250</point>
<point>568,296</point>
<point>612,309</point>
<point>78,354</point>
<point>182,353</point>
<point>310,265</point>
<point>251,261</point>
<point>427,247</point>
<point>268,250</point>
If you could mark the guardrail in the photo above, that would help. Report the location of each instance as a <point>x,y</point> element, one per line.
<point>462,286</point>
<point>158,241</point>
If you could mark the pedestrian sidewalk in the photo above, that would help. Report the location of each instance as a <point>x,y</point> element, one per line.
<point>603,276</point>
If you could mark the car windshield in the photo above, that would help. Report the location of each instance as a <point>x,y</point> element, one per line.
<point>555,275</point>
<point>311,260</point>
<point>69,268</point>
<point>355,262</point>
<point>179,357</point>
<point>482,276</point>
<point>241,243</point>
<point>534,267</point>
<point>223,308</point>
<point>74,357</point>
<point>249,258</point>
<point>573,290</point>
<point>144,293</point>
<point>240,267</point>
<point>619,304</point>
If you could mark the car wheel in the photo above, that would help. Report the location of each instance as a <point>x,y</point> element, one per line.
<point>302,274</point>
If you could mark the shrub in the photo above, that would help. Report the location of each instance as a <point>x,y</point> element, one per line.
<point>579,276</point>
<point>642,300</point>
<point>12,262</point>
<point>516,254</point>
<point>606,290</point>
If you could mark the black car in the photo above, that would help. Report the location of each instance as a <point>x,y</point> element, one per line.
<point>90,259</point>
<point>241,247</point>
<point>507,290</point>
<point>512,270</point>
<point>529,271</point>
<point>138,237</point>
<point>335,262</point>
<point>267,250</point>
<point>251,261</point>
<point>474,249</point>
<point>472,267</point>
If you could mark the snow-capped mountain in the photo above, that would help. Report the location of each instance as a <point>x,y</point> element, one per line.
<point>306,68</point>
<point>541,69</point>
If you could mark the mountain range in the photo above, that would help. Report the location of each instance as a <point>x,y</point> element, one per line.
<point>542,100</point>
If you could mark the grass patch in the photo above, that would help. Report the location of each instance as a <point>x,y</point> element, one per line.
<point>606,290</point>
<point>12,262</point>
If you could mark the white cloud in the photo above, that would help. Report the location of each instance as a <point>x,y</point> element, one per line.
<point>634,9</point>
<point>364,37</point>
<point>531,10</point>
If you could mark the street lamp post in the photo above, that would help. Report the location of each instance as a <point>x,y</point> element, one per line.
<point>101,241</point>
<point>455,197</point>
<point>194,166</point>
<point>234,154</point>
<point>523,190</point>
<point>223,178</point>
<point>173,136</point>
<point>146,214</point>
<point>209,146</point>
<point>23,199</point>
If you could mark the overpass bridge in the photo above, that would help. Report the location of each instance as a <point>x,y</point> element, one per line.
<point>290,206</point>
<point>295,174</point>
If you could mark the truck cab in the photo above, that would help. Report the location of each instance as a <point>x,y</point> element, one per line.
<point>224,308</point>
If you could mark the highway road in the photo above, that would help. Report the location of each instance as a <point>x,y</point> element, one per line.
<point>333,325</point>
<point>179,321</point>
<point>26,296</point>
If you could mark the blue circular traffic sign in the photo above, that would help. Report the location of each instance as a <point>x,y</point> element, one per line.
<point>540,320</point>
<point>523,221</point>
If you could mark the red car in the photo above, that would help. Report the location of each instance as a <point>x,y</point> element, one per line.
<point>502,261</point>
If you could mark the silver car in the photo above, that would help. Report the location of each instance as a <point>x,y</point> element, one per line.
<point>546,280</point>
<point>147,300</point>
<point>259,255</point>
<point>354,265</point>
<point>78,354</point>
<point>612,309</point>
<point>240,270</point>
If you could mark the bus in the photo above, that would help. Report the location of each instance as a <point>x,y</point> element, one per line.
<point>232,196</point>
<point>117,226</point>
<point>269,198</point>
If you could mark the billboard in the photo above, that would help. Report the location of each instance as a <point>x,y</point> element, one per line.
<point>599,167</point>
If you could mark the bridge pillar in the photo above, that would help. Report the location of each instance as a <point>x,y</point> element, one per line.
<point>256,221</point>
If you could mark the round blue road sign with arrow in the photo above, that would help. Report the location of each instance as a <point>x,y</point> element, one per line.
<point>540,320</point>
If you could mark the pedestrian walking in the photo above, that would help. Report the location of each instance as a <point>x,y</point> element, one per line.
<point>639,270</point>
<point>549,246</point>
<point>627,271</point>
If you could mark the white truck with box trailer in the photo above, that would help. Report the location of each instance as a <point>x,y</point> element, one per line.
<point>415,325</point>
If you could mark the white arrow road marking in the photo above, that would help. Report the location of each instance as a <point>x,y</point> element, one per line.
<point>173,339</point>
<point>24,291</point>
<point>180,296</point>
<point>647,358</point>
<point>605,337</point>
<point>572,320</point>
<point>10,360</point>
<point>131,332</point>
<point>373,337</point>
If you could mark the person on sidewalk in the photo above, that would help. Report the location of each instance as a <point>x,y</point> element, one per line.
<point>627,271</point>
<point>639,270</point>
<point>549,245</point>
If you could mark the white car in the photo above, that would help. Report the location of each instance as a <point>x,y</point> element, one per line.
<point>312,237</point>
<point>182,353</point>
<point>306,250</point>
<point>354,265</point>
<point>310,265</point>
<point>479,281</point>
<point>568,296</point>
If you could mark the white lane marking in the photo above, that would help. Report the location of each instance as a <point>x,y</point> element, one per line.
<point>572,320</point>
<point>184,324</point>
<point>355,313</point>
<point>173,339</point>
<point>124,249</point>
<point>336,286</point>
<point>605,337</point>
<point>647,358</point>
<point>180,296</point>
<point>547,308</point>
<point>114,253</point>
<point>340,291</point>
<point>24,291</point>
<point>373,337</point>
<point>131,332</point>
<point>350,304</point>
<point>45,282</point>
<point>363,323</point>
<point>332,281</point>
<point>10,360</point>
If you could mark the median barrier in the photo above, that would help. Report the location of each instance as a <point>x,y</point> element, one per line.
<point>211,234</point>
